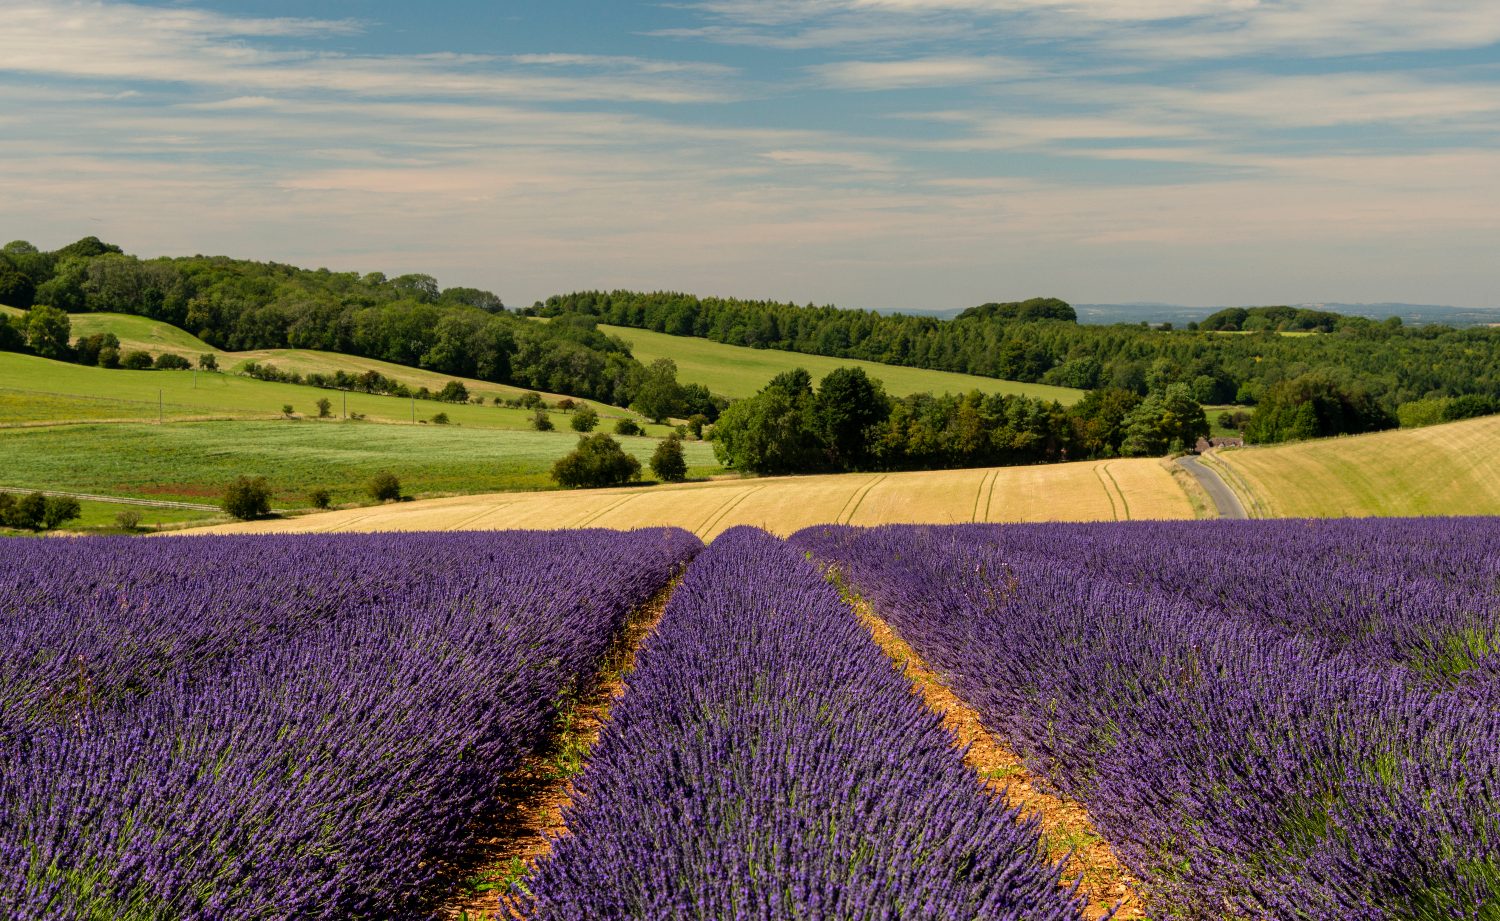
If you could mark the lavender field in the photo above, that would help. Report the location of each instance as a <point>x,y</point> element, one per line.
<point>283,728</point>
<point>1269,720</point>
<point>1264,720</point>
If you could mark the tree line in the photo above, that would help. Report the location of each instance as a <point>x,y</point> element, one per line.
<point>847,422</point>
<point>1239,355</point>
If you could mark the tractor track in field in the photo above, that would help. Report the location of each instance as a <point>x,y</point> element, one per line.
<point>1067,831</point>
<point>532,799</point>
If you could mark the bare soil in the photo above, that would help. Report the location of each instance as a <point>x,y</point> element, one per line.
<point>1067,831</point>
<point>532,798</point>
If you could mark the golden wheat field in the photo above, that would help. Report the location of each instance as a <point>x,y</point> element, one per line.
<point>1086,491</point>
<point>1451,469</point>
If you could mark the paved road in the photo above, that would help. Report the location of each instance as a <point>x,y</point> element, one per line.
<point>1224,498</point>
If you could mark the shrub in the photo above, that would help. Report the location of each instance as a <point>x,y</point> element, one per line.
<point>597,461</point>
<point>248,498</point>
<point>586,419</point>
<point>320,498</point>
<point>541,421</point>
<point>567,405</point>
<point>325,407</point>
<point>27,512</point>
<point>58,509</point>
<point>208,362</point>
<point>530,400</point>
<point>167,361</point>
<point>440,419</point>
<point>109,357</point>
<point>667,462</point>
<point>385,487</point>
<point>136,361</point>
<point>627,427</point>
<point>286,410</point>
<point>128,519</point>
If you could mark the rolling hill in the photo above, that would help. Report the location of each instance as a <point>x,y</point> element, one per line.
<point>1448,469</point>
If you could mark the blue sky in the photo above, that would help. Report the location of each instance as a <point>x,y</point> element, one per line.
<point>873,153</point>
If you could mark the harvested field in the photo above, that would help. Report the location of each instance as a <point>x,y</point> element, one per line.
<point>1440,470</point>
<point>1086,491</point>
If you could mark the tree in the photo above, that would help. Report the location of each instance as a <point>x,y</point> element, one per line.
<point>208,362</point>
<point>541,421</point>
<point>774,431</point>
<point>109,357</point>
<point>628,426</point>
<point>137,361</point>
<point>248,498</point>
<point>667,461</point>
<point>16,287</point>
<point>325,407</point>
<point>848,407</point>
<point>167,361</point>
<point>597,461</point>
<point>320,498</point>
<point>440,419</point>
<point>585,419</point>
<point>88,348</point>
<point>454,392</point>
<point>384,487</point>
<point>1166,421</point>
<point>47,330</point>
<point>1315,405</point>
<point>658,395</point>
<point>695,424</point>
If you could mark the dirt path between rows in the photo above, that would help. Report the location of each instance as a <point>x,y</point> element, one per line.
<point>542,786</point>
<point>1065,825</point>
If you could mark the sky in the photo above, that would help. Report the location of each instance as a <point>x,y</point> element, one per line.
<point>894,154</point>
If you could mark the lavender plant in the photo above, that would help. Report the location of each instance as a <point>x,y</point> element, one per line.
<point>283,727</point>
<point>1268,720</point>
<point>768,762</point>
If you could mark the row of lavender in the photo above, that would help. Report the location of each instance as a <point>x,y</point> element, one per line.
<point>768,762</point>
<point>1270,720</point>
<point>283,727</point>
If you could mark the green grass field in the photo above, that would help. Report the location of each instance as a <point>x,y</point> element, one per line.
<point>36,390</point>
<point>156,337</point>
<point>193,461</point>
<point>736,371</point>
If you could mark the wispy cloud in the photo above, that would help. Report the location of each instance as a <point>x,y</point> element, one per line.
<point>918,72</point>
<point>97,40</point>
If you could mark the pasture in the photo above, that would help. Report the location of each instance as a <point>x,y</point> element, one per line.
<point>1116,490</point>
<point>38,390</point>
<point>737,371</point>
<point>192,461</point>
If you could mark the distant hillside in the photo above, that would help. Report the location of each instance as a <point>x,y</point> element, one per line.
<point>1155,313</point>
<point>737,371</point>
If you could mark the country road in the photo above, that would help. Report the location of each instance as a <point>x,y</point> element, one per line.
<point>1225,500</point>
<point>119,500</point>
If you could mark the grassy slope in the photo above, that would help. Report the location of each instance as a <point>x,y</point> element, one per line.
<point>1085,491</point>
<point>736,371</point>
<point>38,390</point>
<point>1440,470</point>
<point>192,461</point>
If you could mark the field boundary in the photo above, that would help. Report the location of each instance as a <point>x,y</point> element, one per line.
<point>1067,831</point>
<point>530,814</point>
<point>119,500</point>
